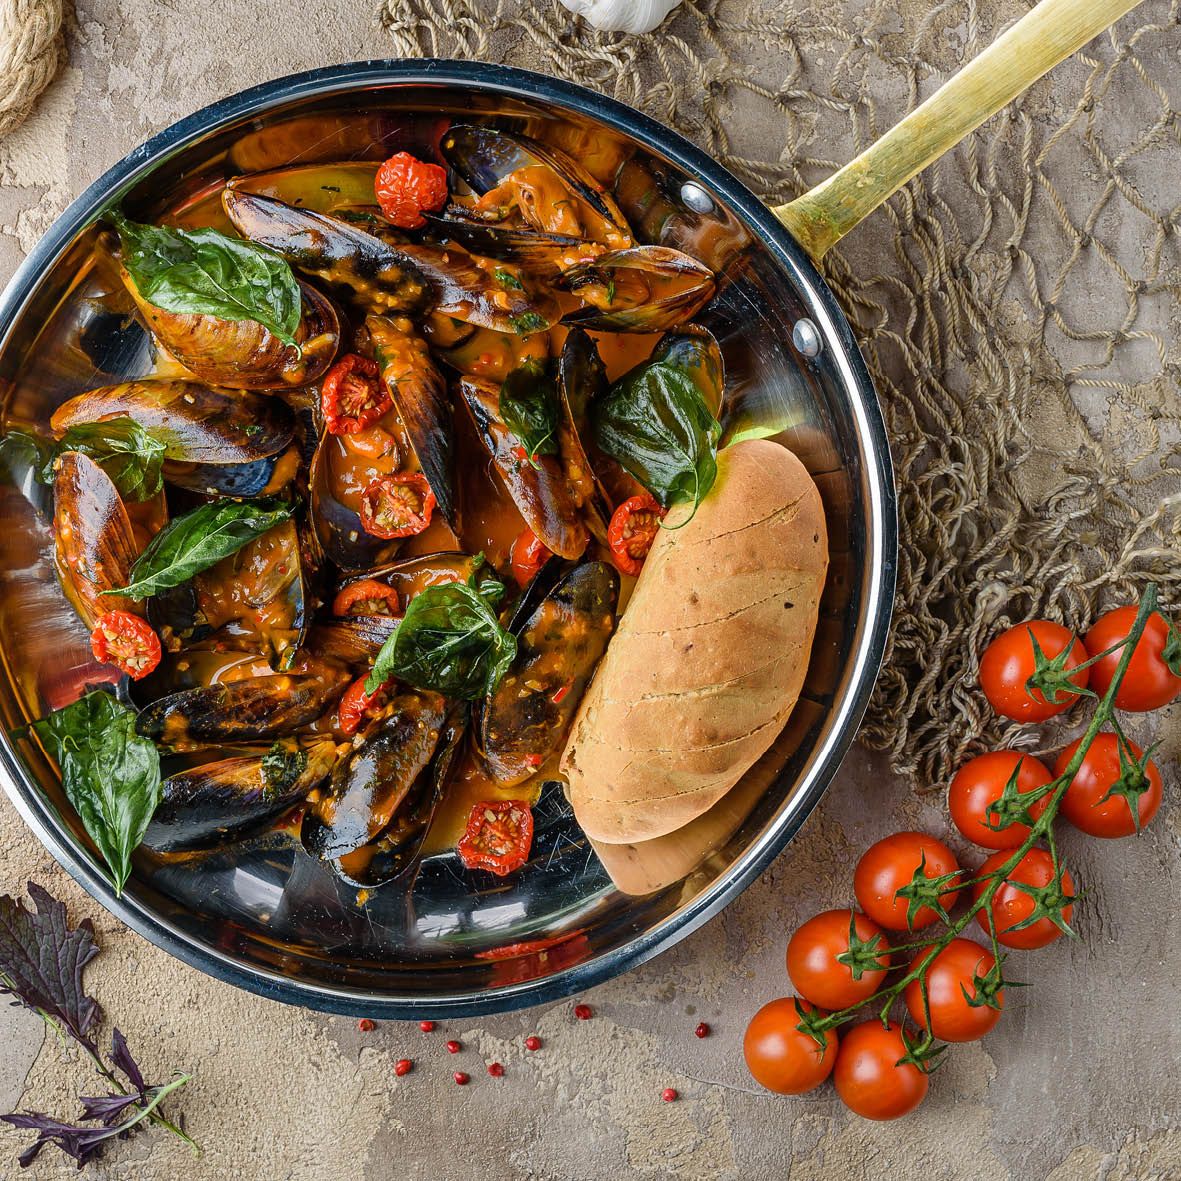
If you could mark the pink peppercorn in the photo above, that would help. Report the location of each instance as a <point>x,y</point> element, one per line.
<point>462,1078</point>
<point>533,1042</point>
<point>365,1025</point>
<point>583,1012</point>
<point>426,1026</point>
<point>496,1070</point>
<point>403,1067</point>
<point>702,1030</point>
<point>453,1047</point>
<point>669,1094</point>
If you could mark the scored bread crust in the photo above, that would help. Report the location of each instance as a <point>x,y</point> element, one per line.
<point>710,655</point>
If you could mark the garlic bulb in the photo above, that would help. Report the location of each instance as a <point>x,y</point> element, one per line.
<point>622,16</point>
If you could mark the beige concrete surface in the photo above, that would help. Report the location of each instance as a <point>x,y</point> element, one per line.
<point>1080,1080</point>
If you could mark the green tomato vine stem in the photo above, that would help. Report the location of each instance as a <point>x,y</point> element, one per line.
<point>1041,828</point>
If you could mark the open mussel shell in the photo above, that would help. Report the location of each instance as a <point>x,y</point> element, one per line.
<point>266,476</point>
<point>216,803</point>
<point>561,636</point>
<point>95,545</point>
<point>356,263</point>
<point>411,576</point>
<point>378,778</point>
<point>334,188</point>
<point>543,256</point>
<point>542,493</point>
<point>246,710</point>
<point>582,379</point>
<point>695,351</point>
<point>641,289</point>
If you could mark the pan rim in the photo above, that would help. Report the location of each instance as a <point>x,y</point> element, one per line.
<point>881,541</point>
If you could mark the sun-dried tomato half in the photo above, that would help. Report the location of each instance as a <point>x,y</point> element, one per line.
<point>367,597</point>
<point>397,506</point>
<point>633,528</point>
<point>126,641</point>
<point>498,837</point>
<point>353,395</point>
<point>406,187</point>
<point>356,706</point>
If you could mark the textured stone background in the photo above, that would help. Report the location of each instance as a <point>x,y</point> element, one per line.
<point>1079,1081</point>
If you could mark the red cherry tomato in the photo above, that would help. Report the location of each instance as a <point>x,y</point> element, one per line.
<point>1008,663</point>
<point>528,556</point>
<point>126,641</point>
<point>868,1076</point>
<point>367,596</point>
<point>819,975</point>
<point>1011,905</point>
<point>782,1057</point>
<point>633,528</point>
<point>890,866</point>
<point>1149,682</point>
<point>397,506</point>
<point>1084,804</point>
<point>981,782</point>
<point>952,989</point>
<point>406,187</point>
<point>353,395</point>
<point>356,706</point>
<point>498,837</point>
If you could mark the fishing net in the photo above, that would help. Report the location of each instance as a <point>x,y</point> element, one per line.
<point>1017,303</point>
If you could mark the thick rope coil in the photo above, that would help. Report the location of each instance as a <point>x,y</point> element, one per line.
<point>31,46</point>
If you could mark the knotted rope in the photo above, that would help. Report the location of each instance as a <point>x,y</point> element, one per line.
<point>30,52</point>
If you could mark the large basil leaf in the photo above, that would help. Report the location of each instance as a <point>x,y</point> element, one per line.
<point>198,540</point>
<point>450,641</point>
<point>123,449</point>
<point>208,273</point>
<point>655,421</point>
<point>110,774</point>
<point>529,408</point>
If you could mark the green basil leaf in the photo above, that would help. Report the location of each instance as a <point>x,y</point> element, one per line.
<point>198,540</point>
<point>655,421</point>
<point>123,449</point>
<point>449,641</point>
<point>529,408</point>
<point>110,775</point>
<point>209,273</point>
<point>21,451</point>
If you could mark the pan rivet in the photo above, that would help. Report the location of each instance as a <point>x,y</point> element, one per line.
<point>806,337</point>
<point>696,198</point>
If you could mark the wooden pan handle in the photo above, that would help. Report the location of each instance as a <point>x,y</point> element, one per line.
<point>1035,44</point>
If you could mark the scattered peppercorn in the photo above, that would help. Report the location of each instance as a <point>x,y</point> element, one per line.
<point>702,1030</point>
<point>462,1078</point>
<point>583,1012</point>
<point>496,1070</point>
<point>453,1047</point>
<point>533,1042</point>
<point>426,1026</point>
<point>403,1067</point>
<point>669,1094</point>
<point>365,1025</point>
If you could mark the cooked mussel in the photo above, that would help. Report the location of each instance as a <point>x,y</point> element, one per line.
<point>543,256</point>
<point>246,710</point>
<point>229,799</point>
<point>410,576</point>
<point>356,639</point>
<point>695,352</point>
<point>582,378</point>
<point>378,779</point>
<point>539,487</point>
<point>94,545</point>
<point>344,187</point>
<point>641,289</point>
<point>561,636</point>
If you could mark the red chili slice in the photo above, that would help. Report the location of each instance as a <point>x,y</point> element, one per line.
<point>406,187</point>
<point>397,506</point>
<point>126,641</point>
<point>367,597</point>
<point>356,705</point>
<point>632,530</point>
<point>353,395</point>
<point>527,557</point>
<point>498,837</point>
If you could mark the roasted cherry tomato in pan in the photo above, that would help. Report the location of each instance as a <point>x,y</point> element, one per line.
<point>353,395</point>
<point>633,528</point>
<point>824,969</point>
<point>368,596</point>
<point>356,706</point>
<point>981,782</point>
<point>1153,678</point>
<point>1012,904</point>
<point>126,641</point>
<point>871,1077</point>
<point>963,992</point>
<point>1105,788</point>
<point>406,187</point>
<point>397,506</point>
<point>498,837</point>
<point>894,880</point>
<point>527,557</point>
<point>1009,662</point>
<point>782,1057</point>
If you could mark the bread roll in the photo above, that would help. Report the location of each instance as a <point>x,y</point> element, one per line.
<point>710,655</point>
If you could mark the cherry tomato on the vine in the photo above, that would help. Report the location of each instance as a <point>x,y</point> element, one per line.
<point>962,992</point>
<point>1009,662</point>
<point>868,1075</point>
<point>527,557</point>
<point>1099,798</point>
<point>824,979</point>
<point>1012,905</point>
<point>981,782</point>
<point>407,187</point>
<point>1150,682</point>
<point>894,882</point>
<point>782,1057</point>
